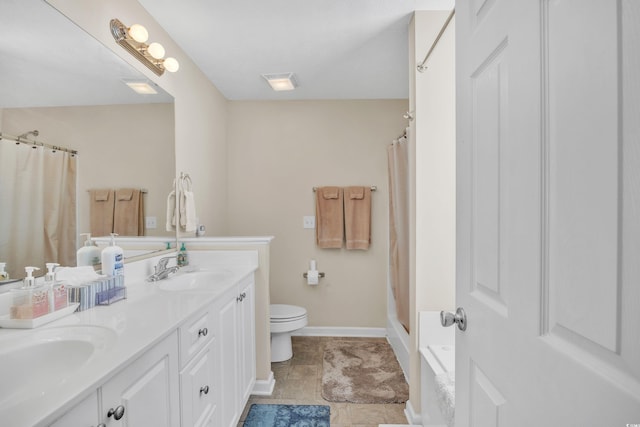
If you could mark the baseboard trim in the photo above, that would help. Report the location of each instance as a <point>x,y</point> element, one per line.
<point>412,416</point>
<point>264,387</point>
<point>339,331</point>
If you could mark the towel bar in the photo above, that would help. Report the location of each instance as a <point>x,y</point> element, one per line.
<point>373,188</point>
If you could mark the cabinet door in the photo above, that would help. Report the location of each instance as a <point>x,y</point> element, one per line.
<point>199,389</point>
<point>146,391</point>
<point>84,414</point>
<point>228,351</point>
<point>247,339</point>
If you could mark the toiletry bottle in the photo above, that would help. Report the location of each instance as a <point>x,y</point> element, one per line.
<point>30,301</point>
<point>29,281</point>
<point>3,274</point>
<point>113,262</point>
<point>89,254</point>
<point>182,257</point>
<point>49,282</point>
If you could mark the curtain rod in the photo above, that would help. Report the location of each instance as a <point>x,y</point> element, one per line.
<point>34,144</point>
<point>421,67</point>
<point>373,188</point>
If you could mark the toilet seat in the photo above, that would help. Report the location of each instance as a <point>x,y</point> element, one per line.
<point>285,312</point>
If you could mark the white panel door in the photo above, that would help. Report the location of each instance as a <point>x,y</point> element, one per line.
<point>548,232</point>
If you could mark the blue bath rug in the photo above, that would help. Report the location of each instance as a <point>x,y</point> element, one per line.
<point>287,416</point>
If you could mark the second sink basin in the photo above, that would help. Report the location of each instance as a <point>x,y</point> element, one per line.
<point>36,363</point>
<point>195,280</point>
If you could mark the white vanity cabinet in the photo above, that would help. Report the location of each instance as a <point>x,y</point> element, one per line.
<point>237,350</point>
<point>199,388</point>
<point>199,375</point>
<point>145,393</point>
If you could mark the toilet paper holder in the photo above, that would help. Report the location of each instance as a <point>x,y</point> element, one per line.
<point>320,274</point>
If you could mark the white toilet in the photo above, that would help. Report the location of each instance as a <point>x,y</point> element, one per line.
<point>284,320</point>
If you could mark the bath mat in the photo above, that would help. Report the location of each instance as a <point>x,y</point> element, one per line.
<point>363,371</point>
<point>287,415</point>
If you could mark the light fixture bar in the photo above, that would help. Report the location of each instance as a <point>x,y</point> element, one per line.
<point>139,50</point>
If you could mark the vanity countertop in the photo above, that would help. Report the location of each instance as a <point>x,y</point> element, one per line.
<point>148,315</point>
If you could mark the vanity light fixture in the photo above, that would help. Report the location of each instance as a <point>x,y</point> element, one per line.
<point>283,81</point>
<point>133,39</point>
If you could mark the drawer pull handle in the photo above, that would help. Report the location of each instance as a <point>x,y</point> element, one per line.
<point>203,332</point>
<point>241,297</point>
<point>116,413</point>
<point>204,390</point>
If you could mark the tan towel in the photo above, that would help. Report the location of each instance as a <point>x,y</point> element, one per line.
<point>329,217</point>
<point>357,217</point>
<point>128,217</point>
<point>101,207</point>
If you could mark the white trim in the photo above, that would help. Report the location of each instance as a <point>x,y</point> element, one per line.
<point>412,416</point>
<point>264,387</point>
<point>338,331</point>
<point>399,340</point>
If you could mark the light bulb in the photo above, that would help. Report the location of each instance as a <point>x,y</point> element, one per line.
<point>171,64</point>
<point>156,50</point>
<point>138,33</point>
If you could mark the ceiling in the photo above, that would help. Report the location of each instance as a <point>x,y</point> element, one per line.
<point>46,60</point>
<point>338,49</point>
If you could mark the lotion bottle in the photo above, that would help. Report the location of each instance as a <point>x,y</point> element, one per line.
<point>50,281</point>
<point>113,259</point>
<point>89,254</point>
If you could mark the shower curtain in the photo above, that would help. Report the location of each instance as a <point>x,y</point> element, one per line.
<point>398,163</point>
<point>38,207</point>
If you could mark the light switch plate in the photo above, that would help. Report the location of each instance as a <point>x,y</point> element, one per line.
<point>150,222</point>
<point>309,222</point>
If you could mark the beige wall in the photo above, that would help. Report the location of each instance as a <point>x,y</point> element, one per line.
<point>277,152</point>
<point>433,144</point>
<point>200,109</point>
<point>113,142</point>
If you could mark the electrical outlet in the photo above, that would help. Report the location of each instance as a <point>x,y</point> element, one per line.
<point>150,222</point>
<point>309,222</point>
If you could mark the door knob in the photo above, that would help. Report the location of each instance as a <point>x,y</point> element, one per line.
<point>460,318</point>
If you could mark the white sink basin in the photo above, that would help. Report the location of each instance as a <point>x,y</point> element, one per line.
<point>198,279</point>
<point>35,363</point>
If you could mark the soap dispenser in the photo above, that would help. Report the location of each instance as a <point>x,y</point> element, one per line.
<point>3,274</point>
<point>29,281</point>
<point>50,276</point>
<point>113,261</point>
<point>58,292</point>
<point>89,254</point>
<point>30,301</point>
<point>182,258</point>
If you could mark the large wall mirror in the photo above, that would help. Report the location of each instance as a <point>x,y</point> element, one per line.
<point>59,81</point>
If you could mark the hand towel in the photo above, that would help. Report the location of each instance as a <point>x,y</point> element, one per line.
<point>171,210</point>
<point>127,213</point>
<point>188,221</point>
<point>329,217</point>
<point>357,217</point>
<point>101,206</point>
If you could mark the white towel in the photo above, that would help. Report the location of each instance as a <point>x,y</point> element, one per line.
<point>446,395</point>
<point>171,211</point>
<point>188,221</point>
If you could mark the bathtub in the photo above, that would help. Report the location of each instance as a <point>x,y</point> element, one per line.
<point>437,370</point>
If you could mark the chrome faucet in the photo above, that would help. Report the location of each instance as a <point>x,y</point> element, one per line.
<point>161,271</point>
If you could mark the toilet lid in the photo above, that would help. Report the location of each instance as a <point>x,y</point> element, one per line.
<point>284,311</point>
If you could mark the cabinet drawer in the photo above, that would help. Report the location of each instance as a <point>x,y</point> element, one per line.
<point>199,389</point>
<point>195,334</point>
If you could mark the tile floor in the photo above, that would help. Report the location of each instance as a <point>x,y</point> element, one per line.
<point>299,381</point>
